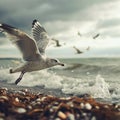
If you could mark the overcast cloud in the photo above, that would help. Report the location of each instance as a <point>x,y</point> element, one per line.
<point>64,18</point>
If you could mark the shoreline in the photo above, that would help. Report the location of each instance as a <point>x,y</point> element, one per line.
<point>35,89</point>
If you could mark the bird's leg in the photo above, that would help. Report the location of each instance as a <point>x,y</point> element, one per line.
<point>20,78</point>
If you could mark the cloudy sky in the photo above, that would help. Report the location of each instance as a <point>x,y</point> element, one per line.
<point>63,19</point>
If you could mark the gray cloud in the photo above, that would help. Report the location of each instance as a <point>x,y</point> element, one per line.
<point>109,23</point>
<point>109,27</point>
<point>58,16</point>
<point>21,13</point>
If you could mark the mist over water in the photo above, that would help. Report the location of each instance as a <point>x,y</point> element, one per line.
<point>98,77</point>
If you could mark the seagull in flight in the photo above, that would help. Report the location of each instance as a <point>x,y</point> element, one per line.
<point>79,34</point>
<point>77,50</point>
<point>97,35</point>
<point>32,49</point>
<point>57,42</point>
<point>88,48</point>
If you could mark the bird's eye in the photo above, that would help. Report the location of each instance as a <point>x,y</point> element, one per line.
<point>55,60</point>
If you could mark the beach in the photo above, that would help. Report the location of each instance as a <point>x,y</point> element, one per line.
<point>28,105</point>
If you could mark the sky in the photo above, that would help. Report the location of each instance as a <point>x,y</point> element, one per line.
<point>63,19</point>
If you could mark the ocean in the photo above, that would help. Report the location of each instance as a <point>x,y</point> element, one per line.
<point>98,77</point>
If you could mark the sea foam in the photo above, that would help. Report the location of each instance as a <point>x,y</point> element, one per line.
<point>68,85</point>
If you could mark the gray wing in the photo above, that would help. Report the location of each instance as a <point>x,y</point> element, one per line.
<point>26,45</point>
<point>40,35</point>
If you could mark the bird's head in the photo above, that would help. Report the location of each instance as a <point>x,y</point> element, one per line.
<point>55,62</point>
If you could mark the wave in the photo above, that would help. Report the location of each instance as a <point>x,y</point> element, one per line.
<point>89,67</point>
<point>68,85</point>
<point>75,78</point>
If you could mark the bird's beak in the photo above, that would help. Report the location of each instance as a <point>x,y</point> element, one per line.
<point>62,64</point>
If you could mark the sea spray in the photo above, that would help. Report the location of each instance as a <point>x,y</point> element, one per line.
<point>101,88</point>
<point>98,90</point>
<point>42,78</point>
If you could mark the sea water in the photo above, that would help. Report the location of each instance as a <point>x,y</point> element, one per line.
<point>98,77</point>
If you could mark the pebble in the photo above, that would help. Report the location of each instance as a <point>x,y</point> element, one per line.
<point>93,118</point>
<point>4,88</point>
<point>88,106</point>
<point>82,105</point>
<point>62,115</point>
<point>26,90</point>
<point>20,92</point>
<point>43,98</point>
<point>1,118</point>
<point>55,107</point>
<point>116,106</point>
<point>16,99</point>
<point>38,100</point>
<point>70,116</point>
<point>65,98</point>
<point>4,97</point>
<point>56,103</point>
<point>106,106</point>
<point>29,107</point>
<point>70,104</point>
<point>21,110</point>
<point>57,119</point>
<point>97,107</point>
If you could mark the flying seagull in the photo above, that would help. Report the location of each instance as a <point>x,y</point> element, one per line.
<point>97,35</point>
<point>77,50</point>
<point>79,34</point>
<point>57,42</point>
<point>88,48</point>
<point>32,49</point>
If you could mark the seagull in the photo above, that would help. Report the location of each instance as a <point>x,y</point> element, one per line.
<point>97,35</point>
<point>79,34</point>
<point>77,50</point>
<point>88,48</point>
<point>57,42</point>
<point>32,49</point>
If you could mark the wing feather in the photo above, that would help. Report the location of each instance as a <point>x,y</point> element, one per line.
<point>26,45</point>
<point>40,35</point>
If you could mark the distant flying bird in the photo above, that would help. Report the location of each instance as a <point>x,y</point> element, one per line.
<point>88,48</point>
<point>77,50</point>
<point>79,34</point>
<point>97,35</point>
<point>33,50</point>
<point>57,42</point>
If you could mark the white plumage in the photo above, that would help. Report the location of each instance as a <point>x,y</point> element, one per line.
<point>32,49</point>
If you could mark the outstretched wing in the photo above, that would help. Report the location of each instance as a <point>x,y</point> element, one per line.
<point>26,45</point>
<point>40,35</point>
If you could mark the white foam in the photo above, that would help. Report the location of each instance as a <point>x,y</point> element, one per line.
<point>0,24</point>
<point>101,88</point>
<point>68,85</point>
<point>98,90</point>
<point>6,76</point>
<point>42,78</point>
